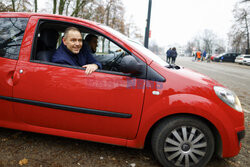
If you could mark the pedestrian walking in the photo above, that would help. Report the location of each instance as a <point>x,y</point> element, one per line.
<point>198,54</point>
<point>194,56</point>
<point>208,58</point>
<point>168,53</point>
<point>173,55</point>
<point>204,54</point>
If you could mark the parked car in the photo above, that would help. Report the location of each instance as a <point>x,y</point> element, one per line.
<point>246,60</point>
<point>213,56</point>
<point>226,57</point>
<point>241,59</point>
<point>187,116</point>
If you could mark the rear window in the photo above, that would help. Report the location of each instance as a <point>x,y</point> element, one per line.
<point>246,56</point>
<point>11,36</point>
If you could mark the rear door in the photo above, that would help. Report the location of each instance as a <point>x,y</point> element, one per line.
<point>63,97</point>
<point>11,35</point>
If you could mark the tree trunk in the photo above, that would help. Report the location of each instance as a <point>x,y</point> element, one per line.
<point>67,8</point>
<point>54,6</point>
<point>247,28</point>
<point>79,4</point>
<point>61,7</point>
<point>35,1</point>
<point>13,5</point>
<point>77,8</point>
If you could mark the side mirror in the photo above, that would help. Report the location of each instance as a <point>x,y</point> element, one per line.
<point>130,65</point>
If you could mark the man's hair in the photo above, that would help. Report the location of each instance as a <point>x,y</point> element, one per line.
<point>70,29</point>
<point>89,37</point>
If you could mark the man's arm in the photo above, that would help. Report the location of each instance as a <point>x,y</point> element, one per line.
<point>92,60</point>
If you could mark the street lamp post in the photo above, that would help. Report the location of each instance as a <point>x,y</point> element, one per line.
<point>148,24</point>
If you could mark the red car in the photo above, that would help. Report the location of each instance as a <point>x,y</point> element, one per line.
<point>213,56</point>
<point>186,116</point>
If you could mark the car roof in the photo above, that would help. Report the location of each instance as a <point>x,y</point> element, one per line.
<point>25,14</point>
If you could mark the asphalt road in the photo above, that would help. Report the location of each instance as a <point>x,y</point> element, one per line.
<point>38,150</point>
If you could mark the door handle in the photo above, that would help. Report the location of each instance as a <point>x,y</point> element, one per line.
<point>16,77</point>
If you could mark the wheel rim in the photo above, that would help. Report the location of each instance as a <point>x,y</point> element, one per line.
<point>185,146</point>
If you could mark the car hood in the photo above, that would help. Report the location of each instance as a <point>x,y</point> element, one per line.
<point>189,81</point>
<point>196,77</point>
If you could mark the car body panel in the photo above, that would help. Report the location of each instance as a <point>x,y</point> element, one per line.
<point>242,59</point>
<point>246,60</point>
<point>38,97</point>
<point>194,101</point>
<point>226,57</point>
<point>51,84</point>
<point>7,69</point>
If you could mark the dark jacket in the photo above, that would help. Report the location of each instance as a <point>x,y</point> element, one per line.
<point>169,53</point>
<point>65,56</point>
<point>174,53</point>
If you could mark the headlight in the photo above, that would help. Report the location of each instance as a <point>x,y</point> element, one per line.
<point>229,97</point>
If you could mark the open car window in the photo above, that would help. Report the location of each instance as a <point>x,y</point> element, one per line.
<point>49,36</point>
<point>109,54</point>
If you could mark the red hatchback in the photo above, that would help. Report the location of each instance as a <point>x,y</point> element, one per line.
<point>187,116</point>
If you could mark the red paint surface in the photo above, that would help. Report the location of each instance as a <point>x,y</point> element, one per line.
<point>184,92</point>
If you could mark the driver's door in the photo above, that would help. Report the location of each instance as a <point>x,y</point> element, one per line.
<point>55,96</point>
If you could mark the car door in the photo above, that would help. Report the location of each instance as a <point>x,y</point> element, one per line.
<point>226,57</point>
<point>12,31</point>
<point>64,97</point>
<point>234,55</point>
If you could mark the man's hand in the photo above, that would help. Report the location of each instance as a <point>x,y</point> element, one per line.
<point>90,68</point>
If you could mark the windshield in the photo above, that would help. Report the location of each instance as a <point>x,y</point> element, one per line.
<point>137,45</point>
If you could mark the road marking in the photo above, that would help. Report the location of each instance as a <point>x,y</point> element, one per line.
<point>246,111</point>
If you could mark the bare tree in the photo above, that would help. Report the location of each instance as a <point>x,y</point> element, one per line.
<point>78,6</point>
<point>20,5</point>
<point>189,48</point>
<point>208,40</point>
<point>239,34</point>
<point>5,7</point>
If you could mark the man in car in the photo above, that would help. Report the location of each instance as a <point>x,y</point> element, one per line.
<point>90,44</point>
<point>70,52</point>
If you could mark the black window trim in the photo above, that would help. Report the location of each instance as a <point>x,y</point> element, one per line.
<point>34,44</point>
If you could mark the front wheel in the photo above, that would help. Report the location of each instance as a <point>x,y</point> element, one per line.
<point>183,141</point>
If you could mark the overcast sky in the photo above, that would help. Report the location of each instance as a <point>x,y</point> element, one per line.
<point>178,21</point>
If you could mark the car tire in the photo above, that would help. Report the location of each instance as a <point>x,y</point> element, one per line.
<point>183,141</point>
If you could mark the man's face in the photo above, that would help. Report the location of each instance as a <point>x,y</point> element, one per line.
<point>93,44</point>
<point>73,41</point>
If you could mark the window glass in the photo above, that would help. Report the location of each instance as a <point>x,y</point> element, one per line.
<point>109,54</point>
<point>138,45</point>
<point>11,35</point>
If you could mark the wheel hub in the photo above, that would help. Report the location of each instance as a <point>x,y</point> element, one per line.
<point>185,147</point>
